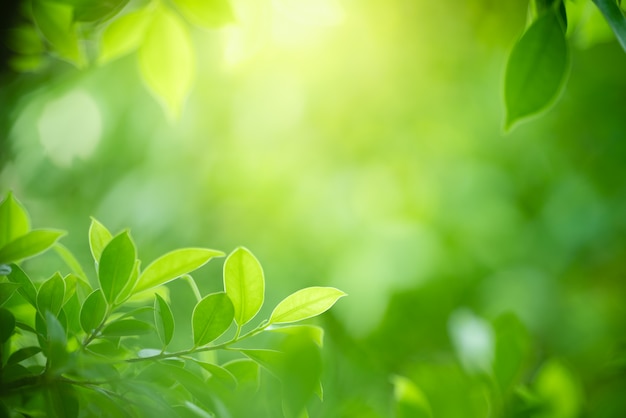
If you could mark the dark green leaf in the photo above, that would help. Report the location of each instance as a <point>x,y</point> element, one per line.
<point>164,320</point>
<point>614,16</point>
<point>7,325</point>
<point>62,401</point>
<point>206,13</point>
<point>211,318</point>
<point>536,69</point>
<point>51,294</point>
<point>305,303</point>
<point>116,266</point>
<point>244,283</point>
<point>57,343</point>
<point>27,288</point>
<point>93,311</point>
<point>7,290</point>
<point>512,350</point>
<point>90,10</point>
<point>127,328</point>
<point>23,354</point>
<point>13,372</point>
<point>29,245</point>
<point>13,220</point>
<point>99,237</point>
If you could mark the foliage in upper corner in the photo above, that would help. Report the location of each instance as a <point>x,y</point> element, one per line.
<point>539,61</point>
<point>73,347</point>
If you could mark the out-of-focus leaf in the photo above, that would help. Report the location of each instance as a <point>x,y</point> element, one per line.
<point>211,318</point>
<point>90,10</point>
<point>163,319</point>
<point>614,16</point>
<point>246,372</point>
<point>271,360</point>
<point>206,13</point>
<point>127,328</point>
<point>13,220</point>
<point>116,266</point>
<point>57,343</point>
<point>27,288</point>
<point>29,245</point>
<point>6,291</point>
<point>244,283</point>
<point>99,237</point>
<point>62,401</point>
<point>536,69</point>
<point>7,322</point>
<point>301,373</point>
<point>173,265</point>
<point>70,260</point>
<point>93,311</point>
<point>123,35</point>
<point>410,400</point>
<point>512,350</point>
<point>56,23</point>
<point>167,61</point>
<point>51,294</point>
<point>313,332</point>
<point>23,354</point>
<point>559,391</point>
<point>26,41</point>
<point>305,303</point>
<point>219,373</point>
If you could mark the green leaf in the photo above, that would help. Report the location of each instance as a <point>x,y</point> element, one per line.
<point>129,289</point>
<point>62,401</point>
<point>206,13</point>
<point>29,245</point>
<point>167,61</point>
<point>24,40</point>
<point>93,311</point>
<point>116,266</point>
<point>163,319</point>
<point>99,237</point>
<point>123,35</point>
<point>536,69</point>
<point>173,265</point>
<point>57,343</point>
<point>90,10</point>
<point>312,332</point>
<point>51,294</point>
<point>512,351</point>
<point>211,318</point>
<point>7,325</point>
<point>410,400</point>
<point>127,328</point>
<point>23,354</point>
<point>244,284</point>
<point>56,23</point>
<point>70,260</point>
<point>27,288</point>
<point>7,290</point>
<point>614,16</point>
<point>246,372</point>
<point>272,360</point>
<point>13,220</point>
<point>219,373</point>
<point>305,303</point>
<point>559,390</point>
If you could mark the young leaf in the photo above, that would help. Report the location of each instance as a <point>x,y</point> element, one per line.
<point>7,325</point>
<point>167,61</point>
<point>93,311</point>
<point>244,284</point>
<point>536,69</point>
<point>27,288</point>
<point>206,13</point>
<point>211,318</point>
<point>163,319</point>
<point>13,220</point>
<point>99,237</point>
<point>173,265</point>
<point>6,291</point>
<point>116,266</point>
<point>305,303</point>
<point>123,35</point>
<point>126,328</point>
<point>29,245</point>
<point>51,294</point>
<point>614,16</point>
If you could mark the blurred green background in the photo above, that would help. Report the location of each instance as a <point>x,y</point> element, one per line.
<point>360,146</point>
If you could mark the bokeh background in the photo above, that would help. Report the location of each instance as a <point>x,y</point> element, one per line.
<point>359,144</point>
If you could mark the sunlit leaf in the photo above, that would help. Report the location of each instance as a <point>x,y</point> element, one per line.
<point>99,237</point>
<point>206,13</point>
<point>559,390</point>
<point>50,295</point>
<point>7,290</point>
<point>13,220</point>
<point>127,328</point>
<point>23,354</point>
<point>167,61</point>
<point>244,283</point>
<point>536,69</point>
<point>211,318</point>
<point>313,332</point>
<point>305,303</point>
<point>272,360</point>
<point>163,319</point>
<point>29,245</point>
<point>410,400</point>
<point>27,288</point>
<point>116,266</point>
<point>129,288</point>
<point>93,311</point>
<point>173,265</point>
<point>7,325</point>
<point>615,17</point>
<point>123,35</point>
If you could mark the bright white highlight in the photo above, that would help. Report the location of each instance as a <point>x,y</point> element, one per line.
<point>473,340</point>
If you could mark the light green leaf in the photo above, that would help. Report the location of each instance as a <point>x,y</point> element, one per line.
<point>244,283</point>
<point>559,391</point>
<point>312,332</point>
<point>410,400</point>
<point>129,289</point>
<point>23,354</point>
<point>614,16</point>
<point>163,319</point>
<point>93,311</point>
<point>56,23</point>
<point>246,372</point>
<point>123,35</point>
<point>99,237</point>
<point>7,290</point>
<point>51,294</point>
<point>13,220</point>
<point>173,265</point>
<point>27,288</point>
<point>116,266</point>
<point>90,10</point>
<point>29,245</point>
<point>70,260</point>
<point>272,360</point>
<point>219,373</point>
<point>167,61</point>
<point>305,303</point>
<point>536,69</point>
<point>211,318</point>
<point>7,325</point>
<point>206,13</point>
<point>127,328</point>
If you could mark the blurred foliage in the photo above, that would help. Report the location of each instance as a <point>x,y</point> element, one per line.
<point>359,144</point>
